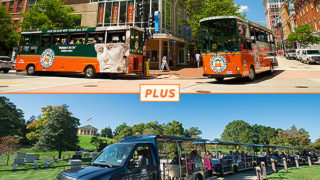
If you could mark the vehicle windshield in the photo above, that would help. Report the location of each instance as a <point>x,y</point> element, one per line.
<point>4,59</point>
<point>219,35</point>
<point>114,155</point>
<point>314,52</point>
<point>291,51</point>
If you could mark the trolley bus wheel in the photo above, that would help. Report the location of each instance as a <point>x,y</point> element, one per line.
<point>89,72</point>
<point>198,177</point>
<point>30,69</point>
<point>219,79</point>
<point>252,74</point>
<point>6,70</point>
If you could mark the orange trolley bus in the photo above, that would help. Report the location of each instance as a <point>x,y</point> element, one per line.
<point>83,50</point>
<point>233,47</point>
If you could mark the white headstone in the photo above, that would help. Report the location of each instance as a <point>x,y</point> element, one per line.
<point>35,164</point>
<point>69,156</point>
<point>21,155</point>
<point>31,157</point>
<point>76,164</point>
<point>58,160</point>
<point>0,157</point>
<point>63,157</point>
<point>13,158</point>
<point>15,167</point>
<point>45,160</point>
<point>50,162</point>
<point>15,154</point>
<point>18,161</point>
<point>45,165</point>
<point>49,155</point>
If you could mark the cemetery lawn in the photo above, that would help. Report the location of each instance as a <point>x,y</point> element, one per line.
<point>84,142</point>
<point>302,173</point>
<point>40,174</point>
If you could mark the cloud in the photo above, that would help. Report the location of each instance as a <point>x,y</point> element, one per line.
<point>243,8</point>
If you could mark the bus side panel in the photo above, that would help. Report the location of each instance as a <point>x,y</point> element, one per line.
<point>24,60</point>
<point>233,60</point>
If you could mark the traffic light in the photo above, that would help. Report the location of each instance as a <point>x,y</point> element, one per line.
<point>151,21</point>
<point>140,10</point>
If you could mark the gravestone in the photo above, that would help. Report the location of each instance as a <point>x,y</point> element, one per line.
<point>75,164</point>
<point>51,162</point>
<point>77,155</point>
<point>0,157</point>
<point>15,167</point>
<point>45,163</point>
<point>49,155</point>
<point>18,161</point>
<point>31,157</point>
<point>21,155</point>
<point>35,164</point>
<point>13,158</point>
<point>53,158</point>
<point>68,156</point>
<point>62,157</point>
<point>94,154</point>
<point>58,160</point>
<point>86,155</point>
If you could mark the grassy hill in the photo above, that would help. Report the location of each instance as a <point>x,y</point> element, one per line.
<point>84,142</point>
<point>298,173</point>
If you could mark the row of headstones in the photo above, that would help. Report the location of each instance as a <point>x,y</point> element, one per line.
<point>262,171</point>
<point>33,158</point>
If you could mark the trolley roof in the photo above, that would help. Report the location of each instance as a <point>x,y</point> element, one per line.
<point>158,137</point>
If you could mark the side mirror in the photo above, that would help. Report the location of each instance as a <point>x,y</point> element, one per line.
<point>131,164</point>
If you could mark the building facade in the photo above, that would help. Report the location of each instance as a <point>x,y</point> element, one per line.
<point>87,9</point>
<point>272,13</point>
<point>16,8</point>
<point>287,12</point>
<point>308,12</point>
<point>87,130</point>
<point>171,38</point>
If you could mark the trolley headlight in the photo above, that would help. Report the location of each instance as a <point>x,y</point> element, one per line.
<point>238,69</point>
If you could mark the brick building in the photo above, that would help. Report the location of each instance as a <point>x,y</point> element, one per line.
<point>16,8</point>
<point>308,12</point>
<point>272,12</point>
<point>287,13</point>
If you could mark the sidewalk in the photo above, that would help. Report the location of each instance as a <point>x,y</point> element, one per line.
<point>179,73</point>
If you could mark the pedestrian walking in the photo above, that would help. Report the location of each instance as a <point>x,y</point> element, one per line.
<point>164,64</point>
<point>198,58</point>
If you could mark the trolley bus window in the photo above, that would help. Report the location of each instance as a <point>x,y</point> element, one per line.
<point>46,40</point>
<point>116,37</point>
<point>77,38</point>
<point>34,43</point>
<point>96,37</point>
<point>60,39</point>
<point>24,44</point>
<point>219,35</point>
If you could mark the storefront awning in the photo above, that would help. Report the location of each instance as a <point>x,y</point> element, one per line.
<point>167,37</point>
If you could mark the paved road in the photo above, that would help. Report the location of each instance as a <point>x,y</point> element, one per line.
<point>290,77</point>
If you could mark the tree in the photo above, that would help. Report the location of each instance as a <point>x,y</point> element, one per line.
<point>9,145</point>
<point>263,134</point>
<point>36,126</point>
<point>9,36</point>
<point>292,138</point>
<point>127,131</point>
<point>237,131</point>
<point>11,119</point>
<point>303,35</point>
<point>193,131</point>
<point>316,144</point>
<point>60,130</point>
<point>198,10</point>
<point>106,132</point>
<point>99,142</point>
<point>49,14</point>
<point>119,129</point>
<point>138,128</point>
<point>153,127</point>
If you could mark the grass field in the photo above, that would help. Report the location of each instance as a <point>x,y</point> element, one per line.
<point>84,142</point>
<point>40,174</point>
<point>302,173</point>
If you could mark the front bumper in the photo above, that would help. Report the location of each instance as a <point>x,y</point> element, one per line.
<point>222,76</point>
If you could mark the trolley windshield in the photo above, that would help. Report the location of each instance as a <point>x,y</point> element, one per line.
<point>219,35</point>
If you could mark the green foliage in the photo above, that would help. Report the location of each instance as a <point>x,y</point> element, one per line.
<point>303,35</point>
<point>263,134</point>
<point>316,144</point>
<point>8,36</point>
<point>237,131</point>
<point>119,128</point>
<point>198,10</point>
<point>174,128</point>
<point>84,142</point>
<point>292,138</point>
<point>99,142</point>
<point>49,14</point>
<point>11,119</point>
<point>106,132</point>
<point>60,130</point>
<point>193,131</point>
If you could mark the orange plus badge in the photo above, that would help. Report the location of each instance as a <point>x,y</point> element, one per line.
<point>159,93</point>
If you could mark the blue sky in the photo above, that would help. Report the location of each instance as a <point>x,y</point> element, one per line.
<point>254,10</point>
<point>208,112</point>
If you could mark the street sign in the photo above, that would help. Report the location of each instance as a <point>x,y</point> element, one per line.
<point>157,21</point>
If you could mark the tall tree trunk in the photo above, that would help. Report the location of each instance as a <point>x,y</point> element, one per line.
<point>8,157</point>
<point>60,151</point>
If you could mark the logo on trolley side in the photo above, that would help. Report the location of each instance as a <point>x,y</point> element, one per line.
<point>47,58</point>
<point>218,63</point>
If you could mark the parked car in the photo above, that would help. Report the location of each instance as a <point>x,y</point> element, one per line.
<point>311,56</point>
<point>291,54</point>
<point>5,64</point>
<point>298,54</point>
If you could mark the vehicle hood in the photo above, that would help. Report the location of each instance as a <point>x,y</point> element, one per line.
<point>89,172</point>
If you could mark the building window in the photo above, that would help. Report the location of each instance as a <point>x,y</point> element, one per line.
<point>315,24</point>
<point>19,6</point>
<point>4,4</point>
<point>11,6</point>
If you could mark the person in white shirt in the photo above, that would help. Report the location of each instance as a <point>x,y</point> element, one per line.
<point>198,56</point>
<point>164,64</point>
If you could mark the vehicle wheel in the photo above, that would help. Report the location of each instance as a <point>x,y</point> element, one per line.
<point>252,75</point>
<point>31,70</point>
<point>220,79</point>
<point>6,70</point>
<point>89,72</point>
<point>271,69</point>
<point>198,177</point>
